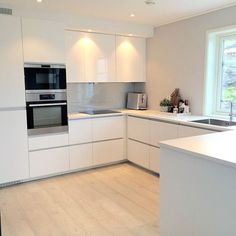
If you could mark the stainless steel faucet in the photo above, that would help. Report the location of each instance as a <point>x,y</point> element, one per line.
<point>231,115</point>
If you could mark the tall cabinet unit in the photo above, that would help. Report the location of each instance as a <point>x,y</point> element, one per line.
<point>43,41</point>
<point>14,163</point>
<point>12,91</point>
<point>90,57</point>
<point>131,59</point>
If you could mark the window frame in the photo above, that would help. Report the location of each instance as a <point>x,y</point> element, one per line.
<point>214,70</point>
<point>219,68</point>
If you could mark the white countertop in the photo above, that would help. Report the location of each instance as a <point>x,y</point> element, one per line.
<point>157,115</point>
<point>218,147</point>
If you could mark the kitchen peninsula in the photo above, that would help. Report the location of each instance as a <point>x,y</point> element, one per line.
<point>198,185</point>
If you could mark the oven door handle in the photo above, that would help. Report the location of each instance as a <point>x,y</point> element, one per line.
<point>48,104</point>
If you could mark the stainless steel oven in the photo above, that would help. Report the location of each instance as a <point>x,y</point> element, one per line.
<point>46,112</point>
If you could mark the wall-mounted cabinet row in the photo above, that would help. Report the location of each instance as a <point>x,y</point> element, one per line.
<point>92,57</point>
<point>89,57</point>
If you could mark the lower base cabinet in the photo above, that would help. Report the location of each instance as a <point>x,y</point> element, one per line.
<point>144,155</point>
<point>186,131</point>
<point>154,156</point>
<point>81,156</point>
<point>108,151</point>
<point>138,153</point>
<point>48,162</point>
<point>14,161</point>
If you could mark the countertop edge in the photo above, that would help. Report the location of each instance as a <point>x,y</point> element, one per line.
<point>180,120</point>
<point>166,145</point>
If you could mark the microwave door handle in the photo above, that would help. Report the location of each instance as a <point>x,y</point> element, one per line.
<point>47,104</point>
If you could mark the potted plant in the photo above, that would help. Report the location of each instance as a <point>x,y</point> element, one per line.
<point>166,105</point>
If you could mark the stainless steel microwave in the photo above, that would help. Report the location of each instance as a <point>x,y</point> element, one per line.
<point>44,77</point>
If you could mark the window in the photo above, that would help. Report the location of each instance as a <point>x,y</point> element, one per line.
<point>221,72</point>
<point>226,72</point>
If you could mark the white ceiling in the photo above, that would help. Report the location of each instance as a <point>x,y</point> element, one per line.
<point>163,12</point>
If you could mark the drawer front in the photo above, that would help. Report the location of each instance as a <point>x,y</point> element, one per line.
<point>108,128</point>
<point>186,131</point>
<point>138,153</point>
<point>138,129</point>
<point>154,159</point>
<point>108,151</point>
<point>160,131</point>
<point>48,141</point>
<point>47,162</point>
<point>80,131</point>
<point>81,156</point>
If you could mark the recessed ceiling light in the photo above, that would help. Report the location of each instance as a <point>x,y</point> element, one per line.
<point>132,15</point>
<point>39,0</point>
<point>89,30</point>
<point>150,2</point>
<point>130,34</point>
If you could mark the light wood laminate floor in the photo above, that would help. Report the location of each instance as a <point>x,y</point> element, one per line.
<point>116,200</point>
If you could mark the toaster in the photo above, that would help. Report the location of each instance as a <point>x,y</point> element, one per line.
<point>137,101</point>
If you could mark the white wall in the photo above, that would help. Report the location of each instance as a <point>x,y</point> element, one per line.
<point>176,57</point>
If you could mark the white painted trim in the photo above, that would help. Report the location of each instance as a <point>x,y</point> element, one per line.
<point>205,81</point>
<point>213,50</point>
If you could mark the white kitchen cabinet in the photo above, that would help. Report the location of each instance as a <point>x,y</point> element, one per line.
<point>186,131</point>
<point>154,156</point>
<point>43,41</point>
<point>81,156</point>
<point>160,131</point>
<point>138,129</point>
<point>131,59</point>
<point>48,141</point>
<point>106,128</point>
<point>90,57</point>
<point>48,162</point>
<point>108,151</point>
<point>75,57</point>
<point>12,90</point>
<point>138,153</point>
<point>80,131</point>
<point>14,163</point>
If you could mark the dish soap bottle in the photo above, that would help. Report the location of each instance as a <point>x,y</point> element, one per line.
<point>175,110</point>
<point>186,108</point>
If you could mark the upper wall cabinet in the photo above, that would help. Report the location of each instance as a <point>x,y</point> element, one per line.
<point>90,57</point>
<point>43,41</point>
<point>131,59</point>
<point>12,89</point>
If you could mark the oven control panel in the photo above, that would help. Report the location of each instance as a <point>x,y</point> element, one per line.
<point>46,97</point>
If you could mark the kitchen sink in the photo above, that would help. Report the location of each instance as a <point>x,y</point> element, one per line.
<point>217,122</point>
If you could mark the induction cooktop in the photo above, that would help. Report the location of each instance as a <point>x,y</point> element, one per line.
<point>99,112</point>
